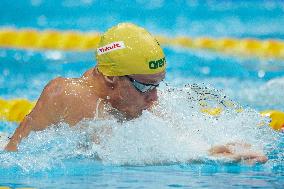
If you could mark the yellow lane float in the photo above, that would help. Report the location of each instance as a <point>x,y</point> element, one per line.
<point>17,109</point>
<point>48,39</point>
<point>6,187</point>
<point>86,41</point>
<point>277,119</point>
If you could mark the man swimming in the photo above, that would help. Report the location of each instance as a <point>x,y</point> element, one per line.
<point>130,66</point>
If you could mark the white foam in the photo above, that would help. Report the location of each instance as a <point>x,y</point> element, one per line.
<point>3,140</point>
<point>175,131</point>
<point>180,133</point>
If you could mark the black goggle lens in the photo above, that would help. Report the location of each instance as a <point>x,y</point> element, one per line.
<point>142,87</point>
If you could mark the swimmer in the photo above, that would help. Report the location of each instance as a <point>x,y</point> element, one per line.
<point>130,66</point>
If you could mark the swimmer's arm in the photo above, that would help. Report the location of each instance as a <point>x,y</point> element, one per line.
<point>44,114</point>
<point>21,132</point>
<point>35,121</point>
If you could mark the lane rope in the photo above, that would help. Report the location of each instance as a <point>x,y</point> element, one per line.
<point>7,187</point>
<point>86,41</point>
<point>16,109</point>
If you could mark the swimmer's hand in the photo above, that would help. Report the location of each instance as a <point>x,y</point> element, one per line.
<point>239,152</point>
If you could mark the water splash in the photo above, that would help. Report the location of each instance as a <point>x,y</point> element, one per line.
<point>175,131</point>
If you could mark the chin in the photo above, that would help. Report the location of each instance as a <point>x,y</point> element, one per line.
<point>133,114</point>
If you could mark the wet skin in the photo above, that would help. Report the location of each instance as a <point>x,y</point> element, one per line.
<point>70,100</point>
<point>238,152</point>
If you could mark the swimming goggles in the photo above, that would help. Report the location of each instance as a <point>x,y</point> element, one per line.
<point>142,87</point>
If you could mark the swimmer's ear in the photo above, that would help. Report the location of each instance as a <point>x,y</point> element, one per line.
<point>110,81</point>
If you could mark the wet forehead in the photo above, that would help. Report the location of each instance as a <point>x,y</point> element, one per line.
<point>151,78</point>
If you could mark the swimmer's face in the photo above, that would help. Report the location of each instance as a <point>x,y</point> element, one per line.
<point>132,100</point>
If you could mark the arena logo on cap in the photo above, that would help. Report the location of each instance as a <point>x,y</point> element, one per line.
<point>157,63</point>
<point>110,47</point>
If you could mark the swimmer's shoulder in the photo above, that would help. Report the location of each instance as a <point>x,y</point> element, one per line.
<point>56,81</point>
<point>51,93</point>
<point>61,85</point>
<point>74,91</point>
<point>55,87</point>
<point>88,73</point>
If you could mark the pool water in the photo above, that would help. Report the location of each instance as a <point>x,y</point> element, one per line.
<point>151,151</point>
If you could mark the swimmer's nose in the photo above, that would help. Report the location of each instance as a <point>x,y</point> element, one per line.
<point>151,96</point>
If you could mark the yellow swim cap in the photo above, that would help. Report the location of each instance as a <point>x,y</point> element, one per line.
<point>127,49</point>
